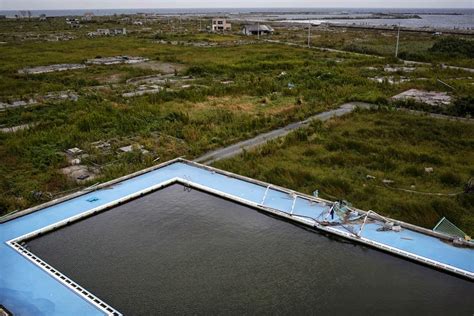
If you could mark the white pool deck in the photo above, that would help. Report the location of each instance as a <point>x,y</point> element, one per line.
<point>29,286</point>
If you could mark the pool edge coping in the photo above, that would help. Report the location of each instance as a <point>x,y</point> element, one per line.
<point>14,215</point>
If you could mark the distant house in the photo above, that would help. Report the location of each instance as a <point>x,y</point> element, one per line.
<point>220,24</point>
<point>88,16</point>
<point>255,29</point>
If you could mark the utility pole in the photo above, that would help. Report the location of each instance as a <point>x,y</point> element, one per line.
<point>309,35</point>
<point>398,41</point>
<point>258,30</point>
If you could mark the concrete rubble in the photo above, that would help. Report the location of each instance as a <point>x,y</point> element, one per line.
<point>59,96</point>
<point>429,97</point>
<point>116,60</point>
<point>80,173</point>
<point>156,83</point>
<point>77,171</point>
<point>101,145</point>
<point>50,68</point>
<point>131,148</point>
<point>16,104</point>
<point>14,129</point>
<point>190,43</point>
<point>74,151</point>
<point>159,79</point>
<point>49,97</point>
<point>142,90</point>
<point>389,68</point>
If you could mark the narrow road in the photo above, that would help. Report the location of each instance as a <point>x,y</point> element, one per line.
<point>324,49</point>
<point>261,139</point>
<point>239,147</point>
<point>414,63</point>
<point>406,62</point>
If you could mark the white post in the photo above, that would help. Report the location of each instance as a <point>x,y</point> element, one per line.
<point>309,35</point>
<point>398,40</point>
<point>293,205</point>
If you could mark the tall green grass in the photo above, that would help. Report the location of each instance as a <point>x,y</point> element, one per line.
<point>337,156</point>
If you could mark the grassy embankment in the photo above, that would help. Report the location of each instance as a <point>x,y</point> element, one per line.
<point>337,156</point>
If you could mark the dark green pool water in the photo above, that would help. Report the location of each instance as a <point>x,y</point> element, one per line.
<point>180,252</point>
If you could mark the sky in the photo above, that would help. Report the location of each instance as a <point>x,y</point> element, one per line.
<point>118,4</point>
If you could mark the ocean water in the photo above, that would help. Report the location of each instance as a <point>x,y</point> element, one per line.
<point>192,253</point>
<point>437,18</point>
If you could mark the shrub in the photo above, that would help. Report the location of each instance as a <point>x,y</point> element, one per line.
<point>413,171</point>
<point>450,178</point>
<point>454,46</point>
<point>464,106</point>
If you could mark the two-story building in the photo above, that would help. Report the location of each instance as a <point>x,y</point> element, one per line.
<point>220,25</point>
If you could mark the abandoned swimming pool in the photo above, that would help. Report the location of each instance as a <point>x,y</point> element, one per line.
<point>172,239</point>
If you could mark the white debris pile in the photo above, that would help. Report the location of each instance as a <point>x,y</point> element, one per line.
<point>50,68</point>
<point>142,90</point>
<point>116,60</point>
<point>133,147</point>
<point>429,97</point>
<point>390,79</point>
<point>389,68</point>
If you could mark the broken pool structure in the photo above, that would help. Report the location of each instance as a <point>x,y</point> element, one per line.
<point>186,238</point>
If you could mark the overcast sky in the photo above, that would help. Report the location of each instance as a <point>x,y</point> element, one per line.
<point>108,4</point>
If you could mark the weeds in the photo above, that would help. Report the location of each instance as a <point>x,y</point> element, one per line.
<point>337,157</point>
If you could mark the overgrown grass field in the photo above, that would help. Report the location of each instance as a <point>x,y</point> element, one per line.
<point>271,85</point>
<point>340,157</point>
